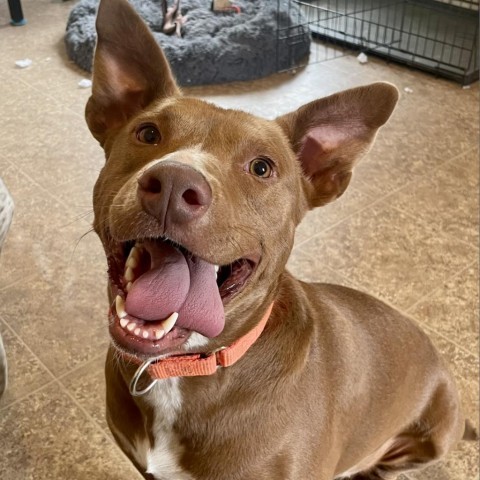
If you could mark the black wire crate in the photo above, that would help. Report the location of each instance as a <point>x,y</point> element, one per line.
<point>440,37</point>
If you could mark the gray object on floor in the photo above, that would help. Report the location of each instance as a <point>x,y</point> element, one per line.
<point>6,214</point>
<point>3,368</point>
<point>215,47</point>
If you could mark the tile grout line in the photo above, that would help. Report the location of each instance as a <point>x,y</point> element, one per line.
<point>440,233</point>
<point>112,442</point>
<point>378,201</point>
<point>437,289</point>
<point>374,202</point>
<point>448,340</point>
<point>83,365</point>
<point>356,212</point>
<point>331,270</point>
<point>60,384</point>
<point>303,242</point>
<point>58,381</point>
<point>10,163</point>
<point>79,217</point>
<point>16,282</point>
<point>97,426</point>
<point>429,295</point>
<point>19,338</point>
<point>27,395</point>
<point>407,311</point>
<point>50,97</point>
<point>468,151</point>
<point>434,330</point>
<point>41,363</point>
<point>420,178</point>
<point>341,275</point>
<point>64,389</point>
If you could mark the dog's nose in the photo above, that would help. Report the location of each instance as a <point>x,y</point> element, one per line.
<point>174,193</point>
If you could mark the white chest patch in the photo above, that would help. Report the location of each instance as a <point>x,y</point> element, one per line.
<point>162,458</point>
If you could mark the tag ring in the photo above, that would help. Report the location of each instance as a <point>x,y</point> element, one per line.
<point>136,377</point>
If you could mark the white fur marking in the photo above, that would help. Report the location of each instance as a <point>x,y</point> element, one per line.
<point>136,448</point>
<point>162,458</point>
<point>196,340</point>
<point>140,453</point>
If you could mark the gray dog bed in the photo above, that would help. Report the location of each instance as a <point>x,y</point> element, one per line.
<point>215,47</point>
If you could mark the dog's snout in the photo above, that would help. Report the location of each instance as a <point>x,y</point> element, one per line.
<point>174,193</point>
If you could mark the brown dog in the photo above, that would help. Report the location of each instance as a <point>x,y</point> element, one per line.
<point>338,384</point>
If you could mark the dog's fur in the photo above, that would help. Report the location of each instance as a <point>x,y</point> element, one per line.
<point>339,385</point>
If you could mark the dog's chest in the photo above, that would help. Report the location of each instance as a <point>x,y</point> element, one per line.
<point>161,458</point>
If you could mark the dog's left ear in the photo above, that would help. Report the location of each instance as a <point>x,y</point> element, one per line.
<point>129,69</point>
<point>331,134</point>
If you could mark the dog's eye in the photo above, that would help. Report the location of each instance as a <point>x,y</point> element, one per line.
<point>148,134</point>
<point>260,167</point>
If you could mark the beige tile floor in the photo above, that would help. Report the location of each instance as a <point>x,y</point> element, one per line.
<point>407,231</point>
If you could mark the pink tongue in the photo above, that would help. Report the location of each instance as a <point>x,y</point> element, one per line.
<point>177,284</point>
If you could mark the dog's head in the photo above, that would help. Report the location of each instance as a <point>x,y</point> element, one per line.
<point>196,205</point>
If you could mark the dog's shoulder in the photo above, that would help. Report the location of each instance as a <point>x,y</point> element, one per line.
<point>350,316</point>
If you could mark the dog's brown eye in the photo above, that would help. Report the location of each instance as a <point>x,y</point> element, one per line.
<point>261,167</point>
<point>148,134</point>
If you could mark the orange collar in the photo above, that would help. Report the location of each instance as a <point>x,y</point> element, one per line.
<point>196,364</point>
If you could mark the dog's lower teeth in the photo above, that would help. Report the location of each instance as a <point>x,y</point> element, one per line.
<point>129,286</point>
<point>157,334</point>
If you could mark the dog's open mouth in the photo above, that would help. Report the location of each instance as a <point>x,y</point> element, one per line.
<point>164,293</point>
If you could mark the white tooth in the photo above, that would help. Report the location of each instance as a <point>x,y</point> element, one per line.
<point>128,287</point>
<point>145,334</point>
<point>133,257</point>
<point>120,307</point>
<point>131,326</point>
<point>159,334</point>
<point>123,322</point>
<point>168,324</point>
<point>129,276</point>
<point>132,261</point>
<point>217,268</point>
<point>137,332</point>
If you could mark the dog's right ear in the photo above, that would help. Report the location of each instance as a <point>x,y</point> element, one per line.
<point>129,69</point>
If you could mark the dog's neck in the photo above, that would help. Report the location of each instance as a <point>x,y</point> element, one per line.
<point>196,364</point>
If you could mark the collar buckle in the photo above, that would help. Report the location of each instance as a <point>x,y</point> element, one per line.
<point>136,377</point>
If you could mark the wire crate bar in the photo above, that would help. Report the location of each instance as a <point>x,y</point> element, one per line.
<point>437,36</point>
